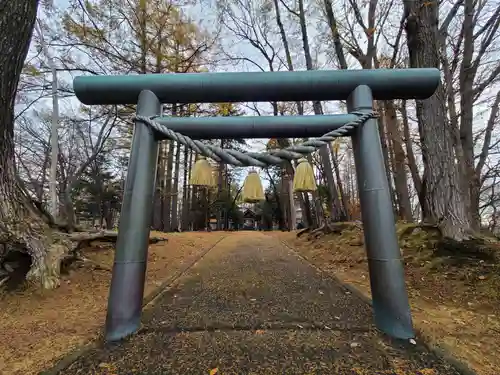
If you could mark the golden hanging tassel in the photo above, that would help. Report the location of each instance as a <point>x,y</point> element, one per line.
<point>252,191</point>
<point>201,175</point>
<point>304,180</point>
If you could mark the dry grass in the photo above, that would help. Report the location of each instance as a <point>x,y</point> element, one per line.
<point>455,299</point>
<point>37,328</point>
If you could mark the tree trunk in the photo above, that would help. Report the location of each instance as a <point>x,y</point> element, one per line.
<point>399,167</point>
<point>366,63</point>
<point>490,129</point>
<point>21,223</point>
<point>303,198</point>
<point>441,181</point>
<point>227,182</point>
<point>158,198</point>
<point>305,206</point>
<point>175,189</point>
<point>285,202</point>
<point>69,209</point>
<point>220,195</point>
<point>167,210</point>
<point>412,162</point>
<point>467,73</point>
<point>318,110</point>
<point>185,191</point>
<point>343,198</point>
<point>279,208</point>
<point>39,191</point>
<point>195,193</point>
<point>385,152</point>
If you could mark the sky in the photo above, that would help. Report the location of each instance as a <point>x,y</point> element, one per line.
<point>236,49</point>
<point>203,13</point>
<point>68,104</point>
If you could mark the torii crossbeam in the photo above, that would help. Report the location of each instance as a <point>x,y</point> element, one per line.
<point>359,87</point>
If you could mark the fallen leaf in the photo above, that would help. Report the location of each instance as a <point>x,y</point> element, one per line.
<point>427,371</point>
<point>214,371</point>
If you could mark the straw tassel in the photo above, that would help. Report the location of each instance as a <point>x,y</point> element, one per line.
<point>304,180</point>
<point>201,175</point>
<point>252,191</point>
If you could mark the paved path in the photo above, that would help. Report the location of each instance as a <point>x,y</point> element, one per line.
<point>252,306</point>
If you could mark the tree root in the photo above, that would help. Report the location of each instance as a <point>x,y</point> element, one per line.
<point>85,239</point>
<point>51,251</point>
<point>301,232</point>
<point>472,250</point>
<point>4,280</point>
<point>333,228</point>
<point>47,269</point>
<point>408,229</point>
<point>92,264</point>
<point>318,232</point>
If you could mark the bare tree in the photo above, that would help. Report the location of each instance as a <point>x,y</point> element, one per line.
<point>441,184</point>
<point>54,150</point>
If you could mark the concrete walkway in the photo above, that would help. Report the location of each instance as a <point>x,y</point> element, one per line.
<point>252,306</point>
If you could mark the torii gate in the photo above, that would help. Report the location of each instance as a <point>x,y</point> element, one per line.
<point>360,87</point>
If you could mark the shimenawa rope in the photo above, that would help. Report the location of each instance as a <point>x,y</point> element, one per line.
<point>258,159</point>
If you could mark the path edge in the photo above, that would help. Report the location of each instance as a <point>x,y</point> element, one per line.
<point>67,359</point>
<point>438,351</point>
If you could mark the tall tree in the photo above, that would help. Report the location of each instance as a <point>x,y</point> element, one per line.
<point>442,188</point>
<point>97,194</point>
<point>471,85</point>
<point>158,38</point>
<point>22,224</point>
<point>336,209</point>
<point>303,197</point>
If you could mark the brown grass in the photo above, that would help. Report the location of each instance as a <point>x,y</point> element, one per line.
<point>455,299</point>
<point>37,328</point>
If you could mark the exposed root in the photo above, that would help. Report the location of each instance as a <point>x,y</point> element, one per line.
<point>94,265</point>
<point>303,231</point>
<point>318,232</point>
<point>4,280</point>
<point>46,267</point>
<point>407,230</point>
<point>84,239</point>
<point>333,228</point>
<point>48,254</point>
<point>473,250</point>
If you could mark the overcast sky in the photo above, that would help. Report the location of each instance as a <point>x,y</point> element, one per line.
<point>205,17</point>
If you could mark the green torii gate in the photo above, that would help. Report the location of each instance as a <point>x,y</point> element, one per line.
<point>360,87</point>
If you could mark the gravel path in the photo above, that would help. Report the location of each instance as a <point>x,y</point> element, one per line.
<point>252,306</point>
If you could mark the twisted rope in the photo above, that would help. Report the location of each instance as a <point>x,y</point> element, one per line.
<point>258,159</point>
